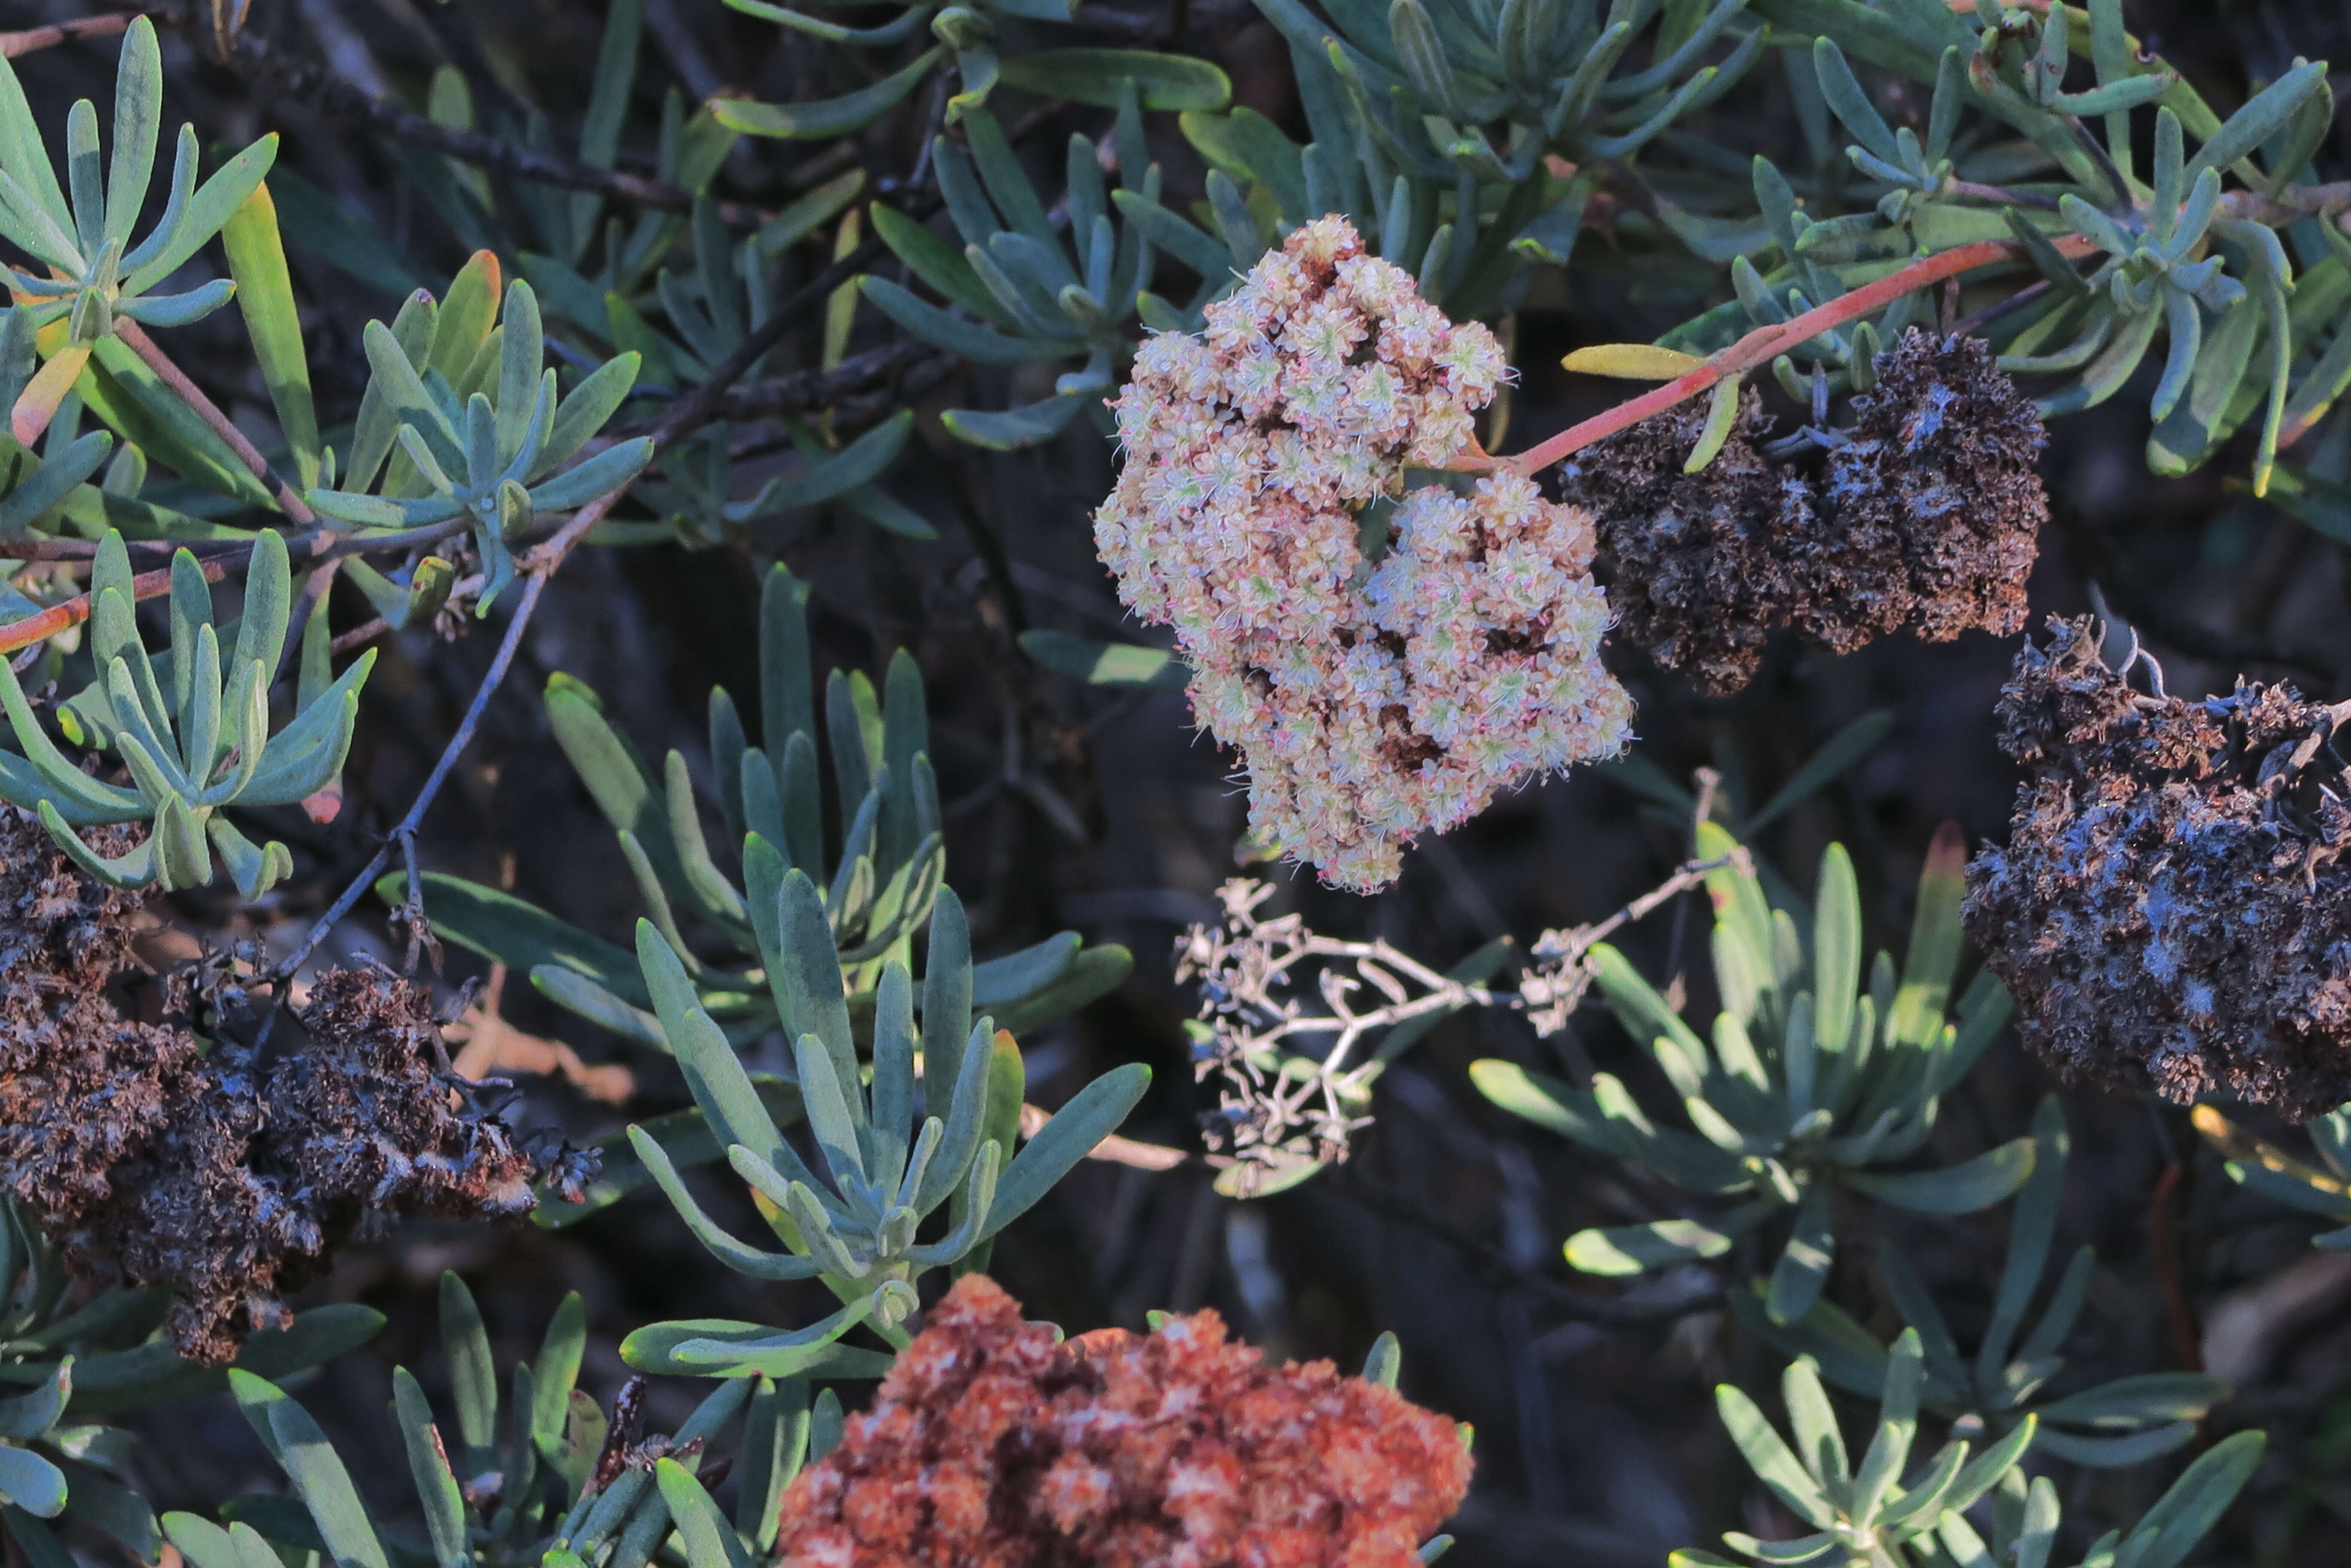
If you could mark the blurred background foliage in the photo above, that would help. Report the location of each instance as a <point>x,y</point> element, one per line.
<point>1012,213</point>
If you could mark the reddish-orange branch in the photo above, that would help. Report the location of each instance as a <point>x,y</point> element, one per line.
<point>1765,344</point>
<point>57,618</point>
<point>15,44</point>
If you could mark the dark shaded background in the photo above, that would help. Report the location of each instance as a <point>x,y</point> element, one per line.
<point>1073,807</point>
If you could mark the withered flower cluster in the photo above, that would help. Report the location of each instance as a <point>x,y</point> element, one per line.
<point>991,1445</point>
<point>1925,518</point>
<point>154,1158</point>
<point>2170,911</point>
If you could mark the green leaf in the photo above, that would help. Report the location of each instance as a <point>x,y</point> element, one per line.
<point>1908,38</point>
<point>861,460</point>
<point>325,1486</point>
<point>1812,1419</point>
<point>520,935</point>
<point>1644,1014</point>
<point>30,1482</point>
<point>806,214</point>
<point>2146,1399</point>
<point>825,117</point>
<point>1847,746</point>
<point>428,1467</point>
<point>981,344</point>
<point>714,1073</point>
<point>1962,1188</point>
<point>1768,1454</point>
<point>28,1415</point>
<point>1093,973</point>
<point>138,120</point>
<point>685,1138</point>
<point>938,264</point>
<point>1804,1263</point>
<point>652,1349</point>
<point>312,221</point>
<point>123,391</point>
<point>23,152</point>
<point>1208,257</point>
<point>1167,82</point>
<point>1093,1113</point>
<point>1552,1105</point>
<point>154,1375</point>
<point>216,201</point>
<point>1012,429</point>
<point>1837,950</point>
<point>1101,663</point>
<point>471,1373</point>
<point>701,1529</point>
<point>2269,111</point>
<point>2031,1227</point>
<point>265,294</point>
<point>2166,1533</point>
<point>2115,1453</point>
<point>608,104</point>
<point>1898,1427</point>
<point>1620,1250</point>
<point>1917,1015</point>
<point>557,1370</point>
<point>593,479</point>
<point>208,1545</point>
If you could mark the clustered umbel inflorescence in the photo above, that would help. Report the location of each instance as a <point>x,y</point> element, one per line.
<point>1370,699</point>
<point>1277,1113</point>
<point>2171,911</point>
<point>1925,518</point>
<point>151,1158</point>
<point>993,1444</point>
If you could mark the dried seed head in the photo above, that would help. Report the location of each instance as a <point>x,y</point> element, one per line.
<point>148,1159</point>
<point>1369,704</point>
<point>1926,518</point>
<point>993,1446</point>
<point>2170,912</point>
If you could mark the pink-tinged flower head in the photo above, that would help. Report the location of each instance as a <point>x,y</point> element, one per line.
<point>1324,334</point>
<point>1369,701</point>
<point>1378,286</point>
<point>1473,361</point>
<point>1321,245</point>
<point>1413,333</point>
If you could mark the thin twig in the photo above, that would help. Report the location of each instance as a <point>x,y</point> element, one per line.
<point>496,677</point>
<point>1554,987</point>
<point>359,636</point>
<point>316,85</point>
<point>2007,305</point>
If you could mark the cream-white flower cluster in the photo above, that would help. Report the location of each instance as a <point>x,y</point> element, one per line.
<point>1369,701</point>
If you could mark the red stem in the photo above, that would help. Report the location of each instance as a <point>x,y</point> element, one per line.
<point>57,618</point>
<point>296,509</point>
<point>12,44</point>
<point>1765,344</point>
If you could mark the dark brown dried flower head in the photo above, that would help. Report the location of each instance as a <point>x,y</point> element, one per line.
<point>1925,518</point>
<point>150,1158</point>
<point>993,1446</point>
<point>2170,911</point>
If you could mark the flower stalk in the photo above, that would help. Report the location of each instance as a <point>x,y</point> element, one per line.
<point>1765,344</point>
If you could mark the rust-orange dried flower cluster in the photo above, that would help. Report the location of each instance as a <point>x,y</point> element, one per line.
<point>991,1445</point>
